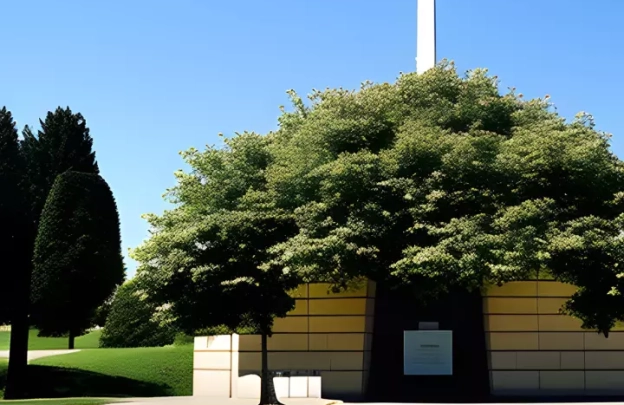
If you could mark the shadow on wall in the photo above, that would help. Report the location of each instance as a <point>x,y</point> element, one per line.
<point>397,311</point>
<point>58,382</point>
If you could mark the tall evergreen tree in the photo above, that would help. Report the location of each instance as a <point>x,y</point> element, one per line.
<point>63,143</point>
<point>77,259</point>
<point>15,241</point>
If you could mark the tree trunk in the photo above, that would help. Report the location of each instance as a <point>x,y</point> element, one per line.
<point>17,378</point>
<point>72,338</point>
<point>267,387</point>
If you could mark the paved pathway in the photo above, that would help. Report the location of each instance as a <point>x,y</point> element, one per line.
<point>38,354</point>
<point>221,401</point>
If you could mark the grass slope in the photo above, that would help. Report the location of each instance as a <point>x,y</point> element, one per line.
<point>61,401</point>
<point>140,372</point>
<point>89,341</point>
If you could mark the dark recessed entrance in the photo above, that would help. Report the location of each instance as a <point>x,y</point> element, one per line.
<point>461,312</point>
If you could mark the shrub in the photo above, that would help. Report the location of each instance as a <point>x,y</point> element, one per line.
<point>130,324</point>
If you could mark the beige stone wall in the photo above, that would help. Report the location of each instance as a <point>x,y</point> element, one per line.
<point>532,348</point>
<point>214,359</point>
<point>326,333</point>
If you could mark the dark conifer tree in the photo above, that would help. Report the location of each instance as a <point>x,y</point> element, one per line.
<point>77,259</point>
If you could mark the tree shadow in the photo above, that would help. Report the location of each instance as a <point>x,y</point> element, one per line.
<point>59,382</point>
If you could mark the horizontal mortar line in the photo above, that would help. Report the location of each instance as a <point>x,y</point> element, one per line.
<point>335,298</point>
<point>324,315</point>
<point>549,331</point>
<point>274,369</point>
<point>212,369</point>
<point>554,350</point>
<point>582,370</point>
<point>319,333</point>
<point>213,351</point>
<point>307,351</point>
<point>533,297</point>
<point>488,314</point>
<point>540,331</point>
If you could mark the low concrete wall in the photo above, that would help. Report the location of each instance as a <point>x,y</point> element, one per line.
<point>326,334</point>
<point>535,350</point>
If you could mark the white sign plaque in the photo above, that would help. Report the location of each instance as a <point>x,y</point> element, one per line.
<point>428,352</point>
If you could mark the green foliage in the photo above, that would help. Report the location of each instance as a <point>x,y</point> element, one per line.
<point>203,261</point>
<point>470,188</point>
<point>14,216</point>
<point>63,143</point>
<point>77,260</point>
<point>182,339</point>
<point>130,322</point>
<point>437,181</point>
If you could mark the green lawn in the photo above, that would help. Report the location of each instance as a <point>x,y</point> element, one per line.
<point>103,373</point>
<point>89,341</point>
<point>62,401</point>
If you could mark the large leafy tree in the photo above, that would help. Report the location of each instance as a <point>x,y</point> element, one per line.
<point>15,237</point>
<point>77,258</point>
<point>440,181</point>
<point>206,263</point>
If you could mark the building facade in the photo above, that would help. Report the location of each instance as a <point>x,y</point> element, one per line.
<point>329,345</point>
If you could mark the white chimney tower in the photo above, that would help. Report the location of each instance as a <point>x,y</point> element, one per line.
<point>425,36</point>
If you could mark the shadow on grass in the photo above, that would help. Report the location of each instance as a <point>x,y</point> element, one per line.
<point>59,382</point>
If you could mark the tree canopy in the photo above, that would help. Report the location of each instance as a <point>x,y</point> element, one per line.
<point>77,259</point>
<point>63,143</point>
<point>437,181</point>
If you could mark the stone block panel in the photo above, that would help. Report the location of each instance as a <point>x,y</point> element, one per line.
<point>515,380</point>
<point>213,343</point>
<point>338,306</point>
<point>339,383</point>
<point>301,308</point>
<point>512,340</point>
<point>292,324</point>
<point>511,323</point>
<point>513,289</point>
<point>604,360</point>
<point>557,323</point>
<point>347,361</point>
<point>332,324</point>
<point>555,289</point>
<point>211,383</point>
<point>539,361</point>
<point>561,341</point>
<point>249,343</point>
<point>249,361</point>
<point>550,306</point>
<point>345,341</point>
<point>509,305</point>
<point>212,360</point>
<point>562,380</point>
<point>597,341</point>
<point>604,380</point>
<point>502,360</point>
<point>572,360</point>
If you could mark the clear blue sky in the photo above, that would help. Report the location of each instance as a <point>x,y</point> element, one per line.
<point>156,77</point>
